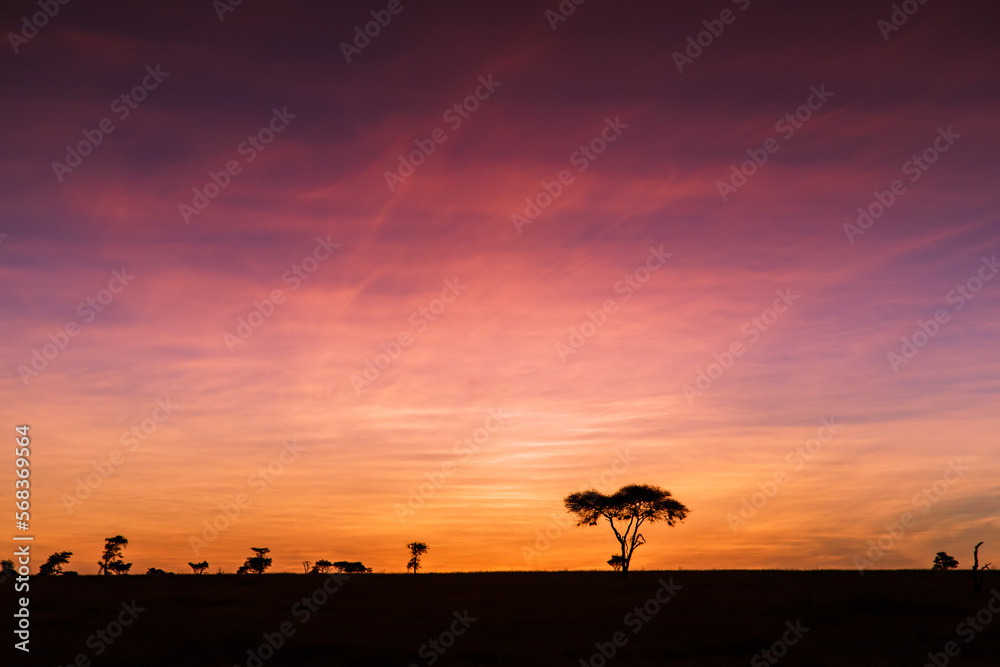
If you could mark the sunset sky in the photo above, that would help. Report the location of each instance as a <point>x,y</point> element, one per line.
<point>497,312</point>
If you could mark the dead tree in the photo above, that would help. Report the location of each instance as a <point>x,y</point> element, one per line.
<point>978,573</point>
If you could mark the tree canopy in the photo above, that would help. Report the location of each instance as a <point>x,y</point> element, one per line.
<point>257,563</point>
<point>943,561</point>
<point>111,559</point>
<point>417,549</point>
<point>322,566</point>
<point>55,562</point>
<point>351,567</point>
<point>630,506</point>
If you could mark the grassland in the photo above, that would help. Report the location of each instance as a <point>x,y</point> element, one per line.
<point>539,618</point>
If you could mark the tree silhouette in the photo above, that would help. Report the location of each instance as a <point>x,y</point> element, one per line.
<point>156,570</point>
<point>55,562</point>
<point>111,560</point>
<point>118,567</point>
<point>616,562</point>
<point>417,549</point>
<point>634,504</point>
<point>6,570</point>
<point>256,564</point>
<point>322,566</point>
<point>351,567</point>
<point>943,561</point>
<point>199,567</point>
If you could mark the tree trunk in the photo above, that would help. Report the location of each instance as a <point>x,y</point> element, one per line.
<point>977,574</point>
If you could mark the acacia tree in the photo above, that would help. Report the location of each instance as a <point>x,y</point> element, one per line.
<point>615,562</point>
<point>199,567</point>
<point>55,562</point>
<point>631,506</point>
<point>111,560</point>
<point>943,561</point>
<point>417,549</point>
<point>322,566</point>
<point>257,563</point>
<point>119,567</point>
<point>351,567</point>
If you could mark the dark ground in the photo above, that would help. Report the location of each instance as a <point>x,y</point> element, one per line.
<point>539,618</point>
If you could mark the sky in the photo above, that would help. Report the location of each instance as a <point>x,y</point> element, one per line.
<point>272,282</point>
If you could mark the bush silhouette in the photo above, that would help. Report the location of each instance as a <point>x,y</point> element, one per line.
<point>199,567</point>
<point>119,567</point>
<point>6,570</point>
<point>351,567</point>
<point>943,561</point>
<point>322,566</point>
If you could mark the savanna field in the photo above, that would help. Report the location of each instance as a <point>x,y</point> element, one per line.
<point>684,618</point>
